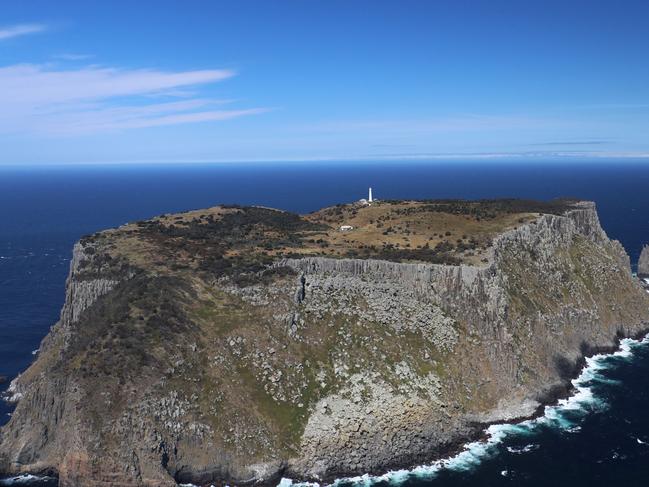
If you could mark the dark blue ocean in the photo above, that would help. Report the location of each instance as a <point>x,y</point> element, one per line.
<point>598,438</point>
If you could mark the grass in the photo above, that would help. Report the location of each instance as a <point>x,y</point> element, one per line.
<point>240,242</point>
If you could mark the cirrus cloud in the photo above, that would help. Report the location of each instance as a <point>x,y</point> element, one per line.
<point>20,30</point>
<point>49,100</point>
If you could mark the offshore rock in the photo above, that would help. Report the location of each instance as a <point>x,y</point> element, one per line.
<point>643,262</point>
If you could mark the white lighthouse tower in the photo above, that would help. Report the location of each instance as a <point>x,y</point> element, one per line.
<point>369,200</point>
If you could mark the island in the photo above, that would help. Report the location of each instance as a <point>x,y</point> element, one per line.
<point>239,345</point>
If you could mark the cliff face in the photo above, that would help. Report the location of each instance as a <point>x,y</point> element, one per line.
<point>328,367</point>
<point>554,290</point>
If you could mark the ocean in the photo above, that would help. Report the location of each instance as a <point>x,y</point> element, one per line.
<point>599,436</point>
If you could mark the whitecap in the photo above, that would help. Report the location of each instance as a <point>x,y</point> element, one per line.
<point>626,347</point>
<point>25,479</point>
<point>522,449</point>
<point>284,482</point>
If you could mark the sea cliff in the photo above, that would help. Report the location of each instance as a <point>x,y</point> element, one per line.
<point>168,366</point>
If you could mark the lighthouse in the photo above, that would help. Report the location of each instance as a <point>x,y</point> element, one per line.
<point>369,200</point>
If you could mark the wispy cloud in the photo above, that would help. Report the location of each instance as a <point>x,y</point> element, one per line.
<point>20,30</point>
<point>615,106</point>
<point>424,156</point>
<point>72,56</point>
<point>42,99</point>
<point>443,124</point>
<point>574,142</point>
<point>94,120</point>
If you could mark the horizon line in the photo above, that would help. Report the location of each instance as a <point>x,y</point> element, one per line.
<point>576,156</point>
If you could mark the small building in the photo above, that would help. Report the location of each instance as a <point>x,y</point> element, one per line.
<point>346,228</point>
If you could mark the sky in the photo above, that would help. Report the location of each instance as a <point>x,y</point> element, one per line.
<point>301,80</point>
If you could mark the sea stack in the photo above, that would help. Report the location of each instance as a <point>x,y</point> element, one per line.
<point>643,262</point>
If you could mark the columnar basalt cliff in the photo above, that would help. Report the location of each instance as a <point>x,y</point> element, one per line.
<point>184,354</point>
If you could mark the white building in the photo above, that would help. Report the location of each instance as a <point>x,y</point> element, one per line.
<point>346,228</point>
<point>369,199</point>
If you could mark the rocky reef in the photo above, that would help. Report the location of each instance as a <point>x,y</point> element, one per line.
<point>184,354</point>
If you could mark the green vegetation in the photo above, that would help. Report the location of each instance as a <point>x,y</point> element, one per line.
<point>241,243</point>
<point>490,209</point>
<point>142,310</point>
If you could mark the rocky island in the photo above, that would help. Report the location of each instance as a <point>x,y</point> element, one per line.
<point>241,344</point>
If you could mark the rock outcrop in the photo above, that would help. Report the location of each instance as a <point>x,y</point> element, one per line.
<point>643,262</point>
<point>323,367</point>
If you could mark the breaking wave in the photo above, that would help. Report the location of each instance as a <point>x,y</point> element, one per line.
<point>30,480</point>
<point>566,415</point>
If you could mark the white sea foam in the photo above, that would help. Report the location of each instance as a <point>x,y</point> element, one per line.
<point>24,479</point>
<point>12,394</point>
<point>522,449</point>
<point>565,415</point>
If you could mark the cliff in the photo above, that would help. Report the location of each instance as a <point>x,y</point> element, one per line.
<point>184,354</point>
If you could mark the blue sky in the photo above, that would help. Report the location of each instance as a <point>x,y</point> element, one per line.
<point>162,81</point>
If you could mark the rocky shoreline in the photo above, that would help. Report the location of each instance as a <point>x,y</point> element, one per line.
<point>551,398</point>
